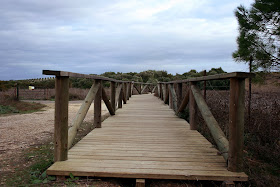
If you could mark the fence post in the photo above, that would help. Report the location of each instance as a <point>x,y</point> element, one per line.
<point>124,91</point>
<point>166,99</point>
<point>61,118</point>
<point>236,124</point>
<point>192,109</point>
<point>170,97</point>
<point>160,91</point>
<point>120,98</point>
<point>179,95</point>
<point>97,106</point>
<point>113,95</point>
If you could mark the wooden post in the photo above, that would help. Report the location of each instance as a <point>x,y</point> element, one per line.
<point>204,85</point>
<point>140,183</point>
<point>124,92</point>
<point>173,96</point>
<point>120,98</point>
<point>166,99</point>
<point>170,97</point>
<point>192,110</point>
<point>129,90</point>
<point>113,95</point>
<point>97,106</point>
<point>236,124</point>
<point>160,88</point>
<point>179,94</point>
<point>61,118</point>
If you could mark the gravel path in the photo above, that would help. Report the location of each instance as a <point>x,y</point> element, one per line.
<point>20,131</point>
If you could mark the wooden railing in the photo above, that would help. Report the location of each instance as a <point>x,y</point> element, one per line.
<point>232,149</point>
<point>120,92</point>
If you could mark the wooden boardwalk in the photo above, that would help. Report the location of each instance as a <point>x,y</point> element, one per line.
<point>145,139</point>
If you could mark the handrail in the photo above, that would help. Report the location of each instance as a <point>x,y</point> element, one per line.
<point>231,149</point>
<point>241,75</point>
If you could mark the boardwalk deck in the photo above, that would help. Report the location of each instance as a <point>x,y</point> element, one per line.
<point>145,140</point>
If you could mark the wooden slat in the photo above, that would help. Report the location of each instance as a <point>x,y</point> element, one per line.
<point>145,140</point>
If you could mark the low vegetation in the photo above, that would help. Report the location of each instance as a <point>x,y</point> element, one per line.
<point>11,106</point>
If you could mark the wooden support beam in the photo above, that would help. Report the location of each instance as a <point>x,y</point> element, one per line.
<point>118,92</point>
<point>61,118</point>
<point>185,102</point>
<point>179,94</point>
<point>192,109</point>
<point>236,124</point>
<point>97,106</point>
<point>135,86</point>
<point>144,88</point>
<point>140,183</point>
<point>211,122</point>
<point>166,98</point>
<point>153,90</point>
<point>129,90</point>
<point>80,116</point>
<point>107,102</point>
<point>174,97</point>
<point>113,95</point>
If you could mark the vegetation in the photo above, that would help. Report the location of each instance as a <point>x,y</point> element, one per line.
<point>10,106</point>
<point>259,34</point>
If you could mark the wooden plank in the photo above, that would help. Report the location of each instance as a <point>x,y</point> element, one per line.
<point>236,124</point>
<point>97,105</point>
<point>61,118</point>
<point>145,140</point>
<point>211,122</point>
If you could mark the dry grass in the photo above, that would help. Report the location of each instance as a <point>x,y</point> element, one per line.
<point>262,140</point>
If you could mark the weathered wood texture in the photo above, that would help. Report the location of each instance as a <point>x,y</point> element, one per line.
<point>61,118</point>
<point>97,106</point>
<point>107,102</point>
<point>80,116</point>
<point>192,110</point>
<point>174,97</point>
<point>145,140</point>
<point>113,95</point>
<point>215,130</point>
<point>236,124</point>
<point>185,102</point>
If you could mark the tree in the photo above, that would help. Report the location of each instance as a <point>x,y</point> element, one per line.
<point>259,34</point>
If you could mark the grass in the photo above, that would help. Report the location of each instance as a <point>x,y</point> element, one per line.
<point>11,106</point>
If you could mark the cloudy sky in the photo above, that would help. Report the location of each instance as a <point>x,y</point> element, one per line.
<point>90,36</point>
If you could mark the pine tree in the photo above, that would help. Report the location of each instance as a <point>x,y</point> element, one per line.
<point>259,34</point>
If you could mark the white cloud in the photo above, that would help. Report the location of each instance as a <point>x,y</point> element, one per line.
<point>117,35</point>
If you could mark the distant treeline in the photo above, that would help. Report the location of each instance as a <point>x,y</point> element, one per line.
<point>150,76</point>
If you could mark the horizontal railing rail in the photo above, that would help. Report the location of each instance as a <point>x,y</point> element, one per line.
<point>231,149</point>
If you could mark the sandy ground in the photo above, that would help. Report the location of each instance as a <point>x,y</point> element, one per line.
<point>21,131</point>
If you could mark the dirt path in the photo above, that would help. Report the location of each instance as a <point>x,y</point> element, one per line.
<point>21,131</point>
